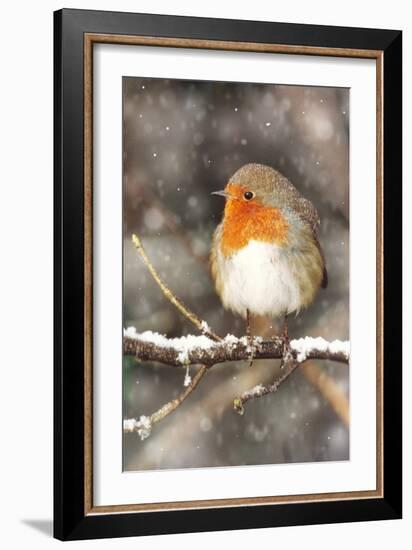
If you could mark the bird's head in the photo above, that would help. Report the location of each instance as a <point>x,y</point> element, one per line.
<point>255,198</point>
<point>254,187</point>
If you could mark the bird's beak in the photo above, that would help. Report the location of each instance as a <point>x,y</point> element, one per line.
<point>221,194</point>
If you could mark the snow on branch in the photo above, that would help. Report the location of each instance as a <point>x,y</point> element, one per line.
<point>189,350</point>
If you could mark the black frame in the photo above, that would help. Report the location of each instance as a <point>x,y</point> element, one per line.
<point>70,521</point>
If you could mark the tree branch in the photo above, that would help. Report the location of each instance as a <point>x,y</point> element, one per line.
<point>209,349</point>
<point>190,350</point>
<point>177,352</point>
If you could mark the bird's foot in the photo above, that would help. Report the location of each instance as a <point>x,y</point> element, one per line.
<point>287,354</point>
<point>250,348</point>
<point>249,339</point>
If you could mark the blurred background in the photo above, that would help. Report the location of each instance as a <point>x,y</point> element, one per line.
<point>181,141</point>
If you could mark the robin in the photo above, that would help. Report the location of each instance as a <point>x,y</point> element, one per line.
<point>266,258</point>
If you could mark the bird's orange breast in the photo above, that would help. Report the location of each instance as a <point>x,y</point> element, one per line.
<point>250,220</point>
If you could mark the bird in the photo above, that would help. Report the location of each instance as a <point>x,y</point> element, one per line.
<point>265,255</point>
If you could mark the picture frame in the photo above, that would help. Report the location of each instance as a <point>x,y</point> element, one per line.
<point>76,33</point>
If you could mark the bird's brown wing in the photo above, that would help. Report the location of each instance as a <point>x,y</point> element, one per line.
<point>325,279</point>
<point>308,213</point>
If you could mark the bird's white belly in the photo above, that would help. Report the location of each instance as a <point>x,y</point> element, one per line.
<point>259,278</point>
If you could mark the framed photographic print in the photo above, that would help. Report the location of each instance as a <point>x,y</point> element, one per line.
<point>227,274</point>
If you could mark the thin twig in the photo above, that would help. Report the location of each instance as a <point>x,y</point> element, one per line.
<point>193,318</point>
<point>172,405</point>
<point>143,426</point>
<point>260,390</point>
<point>327,387</point>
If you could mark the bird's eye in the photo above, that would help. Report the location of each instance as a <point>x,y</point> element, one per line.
<point>248,195</point>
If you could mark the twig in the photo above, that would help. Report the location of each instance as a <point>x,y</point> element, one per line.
<point>327,387</point>
<point>144,425</point>
<point>260,390</point>
<point>201,325</point>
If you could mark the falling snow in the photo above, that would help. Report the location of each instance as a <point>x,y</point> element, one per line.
<point>183,140</point>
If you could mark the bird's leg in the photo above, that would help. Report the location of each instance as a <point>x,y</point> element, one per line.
<point>285,330</point>
<point>249,336</point>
